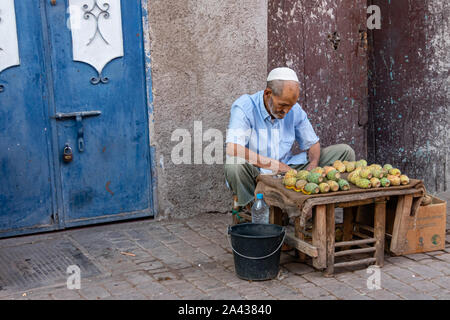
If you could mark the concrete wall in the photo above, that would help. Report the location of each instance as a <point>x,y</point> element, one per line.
<point>205,54</point>
<point>410,90</point>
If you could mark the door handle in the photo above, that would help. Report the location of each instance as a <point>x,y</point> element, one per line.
<point>83,114</point>
<point>79,119</point>
<point>53,2</point>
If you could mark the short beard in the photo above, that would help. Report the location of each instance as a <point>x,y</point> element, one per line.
<point>270,105</point>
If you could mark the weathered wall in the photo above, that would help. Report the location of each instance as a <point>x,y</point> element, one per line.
<point>323,41</point>
<point>205,54</point>
<point>410,89</point>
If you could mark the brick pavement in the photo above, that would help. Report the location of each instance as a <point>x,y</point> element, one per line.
<point>191,259</point>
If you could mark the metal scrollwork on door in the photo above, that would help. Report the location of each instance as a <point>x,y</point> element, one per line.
<point>102,13</point>
<point>9,47</point>
<point>97,38</point>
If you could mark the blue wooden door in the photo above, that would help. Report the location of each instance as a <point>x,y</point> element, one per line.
<point>27,189</point>
<point>109,177</point>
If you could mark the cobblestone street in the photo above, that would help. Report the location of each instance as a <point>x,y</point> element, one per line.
<point>192,259</point>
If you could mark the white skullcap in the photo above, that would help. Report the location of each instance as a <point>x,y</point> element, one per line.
<point>282,74</point>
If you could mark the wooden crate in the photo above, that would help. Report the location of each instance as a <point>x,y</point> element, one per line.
<point>423,232</point>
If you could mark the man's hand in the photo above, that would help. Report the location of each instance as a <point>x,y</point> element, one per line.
<point>279,167</point>
<point>312,166</point>
<point>236,150</point>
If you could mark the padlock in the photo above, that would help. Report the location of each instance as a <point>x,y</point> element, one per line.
<point>67,154</point>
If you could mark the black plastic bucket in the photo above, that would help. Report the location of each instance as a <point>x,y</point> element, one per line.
<point>256,249</point>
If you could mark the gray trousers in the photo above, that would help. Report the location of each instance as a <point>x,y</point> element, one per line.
<point>241,177</point>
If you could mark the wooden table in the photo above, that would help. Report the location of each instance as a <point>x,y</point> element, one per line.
<point>322,246</point>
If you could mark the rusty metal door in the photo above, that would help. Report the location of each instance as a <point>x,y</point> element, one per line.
<point>410,110</point>
<point>325,42</point>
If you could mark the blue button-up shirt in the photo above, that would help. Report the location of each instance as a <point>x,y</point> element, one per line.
<point>252,127</point>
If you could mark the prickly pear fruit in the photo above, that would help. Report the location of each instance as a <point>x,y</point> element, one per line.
<point>387,167</point>
<point>319,170</point>
<point>302,175</point>
<point>314,177</point>
<point>365,173</point>
<point>385,182</point>
<point>291,174</point>
<point>289,182</point>
<point>404,179</point>
<point>395,172</point>
<point>334,186</point>
<point>377,173</point>
<point>328,169</point>
<point>375,166</point>
<point>300,184</point>
<point>363,183</point>
<point>339,166</point>
<point>333,175</point>
<point>394,180</point>
<point>349,167</point>
<point>353,177</point>
<point>311,188</point>
<point>343,185</point>
<point>324,187</point>
<point>337,162</point>
<point>361,163</point>
<point>375,182</point>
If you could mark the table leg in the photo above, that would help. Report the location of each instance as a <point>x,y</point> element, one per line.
<point>330,239</point>
<point>349,217</point>
<point>402,213</point>
<point>299,234</point>
<point>276,216</point>
<point>319,237</point>
<point>379,231</point>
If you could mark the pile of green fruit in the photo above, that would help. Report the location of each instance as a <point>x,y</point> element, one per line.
<point>315,181</point>
<point>372,176</point>
<point>328,178</point>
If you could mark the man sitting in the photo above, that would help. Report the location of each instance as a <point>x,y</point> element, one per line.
<point>262,130</point>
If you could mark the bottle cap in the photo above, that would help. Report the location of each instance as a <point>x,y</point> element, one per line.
<point>259,196</point>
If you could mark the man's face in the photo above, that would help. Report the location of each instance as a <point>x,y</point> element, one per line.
<point>279,106</point>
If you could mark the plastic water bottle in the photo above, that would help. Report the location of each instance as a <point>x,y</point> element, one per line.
<point>260,210</point>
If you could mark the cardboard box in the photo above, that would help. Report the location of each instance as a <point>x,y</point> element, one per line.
<point>423,232</point>
<point>407,233</point>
